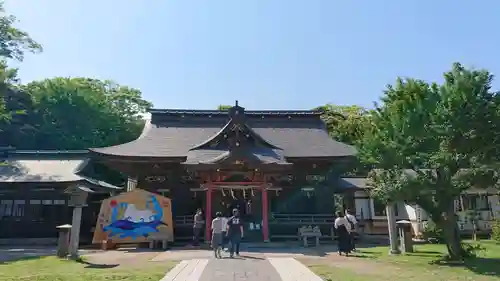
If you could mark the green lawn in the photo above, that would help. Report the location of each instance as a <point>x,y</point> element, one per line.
<point>374,264</point>
<point>54,269</point>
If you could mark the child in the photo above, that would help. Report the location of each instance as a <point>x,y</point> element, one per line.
<point>217,227</point>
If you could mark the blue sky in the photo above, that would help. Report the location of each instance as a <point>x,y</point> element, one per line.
<point>268,54</point>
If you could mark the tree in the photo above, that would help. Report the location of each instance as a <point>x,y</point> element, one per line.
<point>78,113</point>
<point>431,142</point>
<point>16,111</point>
<point>223,107</point>
<point>346,124</point>
<point>15,105</point>
<point>14,42</point>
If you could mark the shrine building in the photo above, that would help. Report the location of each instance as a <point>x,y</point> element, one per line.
<point>280,168</point>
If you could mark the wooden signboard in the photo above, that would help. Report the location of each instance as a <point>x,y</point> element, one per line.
<point>133,216</point>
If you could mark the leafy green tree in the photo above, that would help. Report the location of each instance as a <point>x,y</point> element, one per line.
<point>223,107</point>
<point>346,124</point>
<point>15,105</point>
<point>13,41</point>
<point>16,111</point>
<point>78,113</point>
<point>428,143</point>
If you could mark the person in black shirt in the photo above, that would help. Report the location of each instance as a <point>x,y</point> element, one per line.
<point>197,227</point>
<point>235,232</point>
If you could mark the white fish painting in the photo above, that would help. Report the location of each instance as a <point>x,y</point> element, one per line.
<point>135,215</point>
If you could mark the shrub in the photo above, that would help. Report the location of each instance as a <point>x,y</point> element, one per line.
<point>432,233</point>
<point>495,230</point>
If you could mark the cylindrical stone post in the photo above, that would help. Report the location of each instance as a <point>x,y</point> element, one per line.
<point>63,240</point>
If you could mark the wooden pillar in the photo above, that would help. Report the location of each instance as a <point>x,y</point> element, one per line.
<point>208,213</point>
<point>265,219</point>
<point>393,233</point>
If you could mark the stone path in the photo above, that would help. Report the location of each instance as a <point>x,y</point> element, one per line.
<point>239,269</point>
<point>289,269</point>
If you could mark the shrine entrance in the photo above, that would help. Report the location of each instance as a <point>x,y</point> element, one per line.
<point>246,199</point>
<point>250,198</point>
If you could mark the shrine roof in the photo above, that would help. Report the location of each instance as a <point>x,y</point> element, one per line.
<point>216,156</point>
<point>353,183</point>
<point>173,133</point>
<point>47,167</point>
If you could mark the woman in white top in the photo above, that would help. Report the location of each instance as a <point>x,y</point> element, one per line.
<point>343,228</point>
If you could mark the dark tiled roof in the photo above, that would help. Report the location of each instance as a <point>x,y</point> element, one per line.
<point>215,156</point>
<point>48,166</point>
<point>40,170</point>
<point>353,183</point>
<point>173,133</point>
<point>224,113</point>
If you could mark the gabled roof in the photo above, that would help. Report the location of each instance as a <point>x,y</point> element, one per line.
<point>217,156</point>
<point>226,128</point>
<point>173,133</point>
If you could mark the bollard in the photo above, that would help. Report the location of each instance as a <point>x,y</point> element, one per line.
<point>63,240</point>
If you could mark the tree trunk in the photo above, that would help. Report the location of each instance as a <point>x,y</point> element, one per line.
<point>451,234</point>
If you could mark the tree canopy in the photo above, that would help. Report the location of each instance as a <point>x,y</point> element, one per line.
<point>78,113</point>
<point>346,124</point>
<point>14,104</point>
<point>428,143</point>
<point>61,113</point>
<point>223,107</point>
<point>13,41</point>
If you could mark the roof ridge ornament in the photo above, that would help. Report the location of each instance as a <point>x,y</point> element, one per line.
<point>237,113</point>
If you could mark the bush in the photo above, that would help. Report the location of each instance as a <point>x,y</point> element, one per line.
<point>432,233</point>
<point>495,230</point>
<point>469,251</point>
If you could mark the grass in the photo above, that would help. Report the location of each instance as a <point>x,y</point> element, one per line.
<point>375,264</point>
<point>55,269</point>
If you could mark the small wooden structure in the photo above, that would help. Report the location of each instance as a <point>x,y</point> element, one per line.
<point>309,232</point>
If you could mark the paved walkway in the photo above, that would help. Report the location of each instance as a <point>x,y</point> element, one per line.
<point>241,269</point>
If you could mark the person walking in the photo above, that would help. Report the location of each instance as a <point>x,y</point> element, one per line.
<point>197,227</point>
<point>235,232</point>
<point>218,228</point>
<point>224,231</point>
<point>343,234</point>
<point>353,222</point>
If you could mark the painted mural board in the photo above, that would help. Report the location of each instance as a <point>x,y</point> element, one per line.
<point>133,216</point>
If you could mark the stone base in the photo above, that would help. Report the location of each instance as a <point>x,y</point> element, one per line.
<point>394,252</point>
